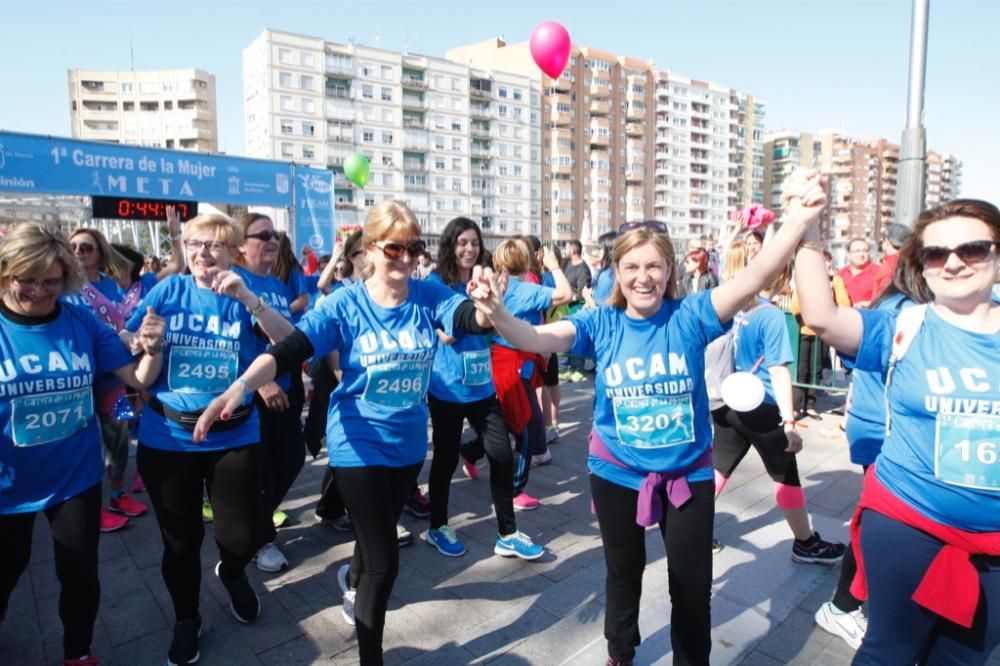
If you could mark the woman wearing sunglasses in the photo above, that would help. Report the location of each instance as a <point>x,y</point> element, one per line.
<point>50,450</point>
<point>650,450</point>
<point>928,522</point>
<point>384,328</point>
<point>462,388</point>
<point>103,266</point>
<point>278,406</point>
<point>211,315</point>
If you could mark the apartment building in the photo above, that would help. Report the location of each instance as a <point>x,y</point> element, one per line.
<point>624,141</point>
<point>168,108</point>
<point>862,177</point>
<point>446,138</point>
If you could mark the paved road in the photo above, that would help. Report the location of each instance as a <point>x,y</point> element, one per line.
<point>478,608</point>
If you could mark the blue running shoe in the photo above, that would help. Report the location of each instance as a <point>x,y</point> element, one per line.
<point>518,544</point>
<point>445,540</point>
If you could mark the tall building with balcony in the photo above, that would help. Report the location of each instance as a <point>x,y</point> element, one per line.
<point>623,141</point>
<point>167,108</point>
<point>448,139</point>
<point>862,179</point>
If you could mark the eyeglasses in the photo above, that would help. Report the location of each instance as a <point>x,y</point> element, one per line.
<point>396,251</point>
<point>653,225</point>
<point>51,284</point>
<point>265,235</point>
<point>197,245</point>
<point>973,252</point>
<point>83,248</point>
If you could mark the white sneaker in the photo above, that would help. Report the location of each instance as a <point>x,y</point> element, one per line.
<point>541,459</point>
<point>271,559</point>
<point>347,609</point>
<point>851,627</point>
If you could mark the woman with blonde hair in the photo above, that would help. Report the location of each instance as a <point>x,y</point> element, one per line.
<point>50,451</point>
<point>211,316</point>
<point>383,327</point>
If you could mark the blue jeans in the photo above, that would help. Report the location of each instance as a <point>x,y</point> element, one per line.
<point>896,556</point>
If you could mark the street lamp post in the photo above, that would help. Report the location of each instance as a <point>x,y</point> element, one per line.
<point>913,147</point>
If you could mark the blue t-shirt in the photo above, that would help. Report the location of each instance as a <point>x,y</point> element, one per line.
<point>865,423</point>
<point>940,453</point>
<point>209,342</point>
<point>147,282</point>
<point>275,293</point>
<point>378,412</point>
<point>107,286</point>
<point>650,402</point>
<point>462,371</point>
<point>604,284</point>
<point>763,333</point>
<point>298,284</point>
<point>525,301</point>
<point>50,444</point>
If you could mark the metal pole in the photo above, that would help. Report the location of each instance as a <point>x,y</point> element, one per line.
<point>913,147</point>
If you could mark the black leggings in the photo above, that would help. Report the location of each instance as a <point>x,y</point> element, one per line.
<point>282,456</point>
<point>486,419</point>
<point>374,497</point>
<point>174,480</point>
<point>736,432</point>
<point>75,526</point>
<point>687,536</point>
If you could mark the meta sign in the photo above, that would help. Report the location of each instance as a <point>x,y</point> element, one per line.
<point>46,165</point>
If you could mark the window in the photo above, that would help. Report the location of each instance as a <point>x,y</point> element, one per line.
<point>502,110</point>
<point>127,87</point>
<point>456,126</point>
<point>502,92</point>
<point>456,184</point>
<point>286,126</point>
<point>308,152</point>
<point>369,201</point>
<point>306,59</point>
<point>285,56</point>
<point>386,72</point>
<point>439,183</point>
<point>308,106</point>
<point>367,136</point>
<point>387,138</point>
<point>456,164</point>
<point>439,143</point>
<point>287,103</point>
<point>456,144</point>
<point>387,180</point>
<point>439,163</point>
<point>306,82</point>
<point>308,128</point>
<point>518,170</point>
<point>287,150</point>
<point>386,94</point>
<point>130,106</point>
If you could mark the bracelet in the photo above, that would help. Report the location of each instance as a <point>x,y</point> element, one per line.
<point>260,307</point>
<point>811,245</point>
<point>246,386</point>
<point>794,423</point>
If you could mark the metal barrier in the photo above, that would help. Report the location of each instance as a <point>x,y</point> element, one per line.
<point>838,378</point>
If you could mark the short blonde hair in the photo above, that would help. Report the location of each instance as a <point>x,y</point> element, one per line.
<point>638,238</point>
<point>109,260</point>
<point>513,255</point>
<point>30,249</point>
<point>225,229</point>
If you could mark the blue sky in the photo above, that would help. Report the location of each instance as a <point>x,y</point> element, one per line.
<point>831,64</point>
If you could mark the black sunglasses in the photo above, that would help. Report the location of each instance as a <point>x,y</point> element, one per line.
<point>395,251</point>
<point>973,252</point>
<point>653,225</point>
<point>265,235</point>
<point>83,248</point>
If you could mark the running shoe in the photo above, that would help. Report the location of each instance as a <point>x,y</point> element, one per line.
<point>470,469</point>
<point>541,459</point>
<point>184,647</point>
<point>418,505</point>
<point>207,513</point>
<point>850,626</point>
<point>341,524</point>
<point>716,546</point>
<point>244,602</point>
<point>343,580</point>
<point>138,485</point>
<point>403,536</point>
<point>816,551</point>
<point>577,376</point>
<point>111,522</point>
<point>125,505</point>
<point>445,540</point>
<point>525,502</point>
<point>551,434</point>
<point>270,558</point>
<point>518,544</point>
<point>279,518</point>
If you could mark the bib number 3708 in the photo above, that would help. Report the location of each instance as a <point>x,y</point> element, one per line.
<point>967,450</point>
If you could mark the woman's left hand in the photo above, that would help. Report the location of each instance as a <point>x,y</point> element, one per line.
<point>151,331</point>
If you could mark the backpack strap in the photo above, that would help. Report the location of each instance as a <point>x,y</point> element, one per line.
<point>908,324</point>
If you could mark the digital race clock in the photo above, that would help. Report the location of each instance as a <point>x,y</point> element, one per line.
<point>126,208</point>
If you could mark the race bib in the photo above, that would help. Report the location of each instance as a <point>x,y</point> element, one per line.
<point>198,370</point>
<point>50,417</point>
<point>397,384</point>
<point>654,422</point>
<point>476,368</point>
<point>967,450</point>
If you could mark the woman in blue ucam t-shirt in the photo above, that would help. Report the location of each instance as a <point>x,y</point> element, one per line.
<point>928,519</point>
<point>210,339</point>
<point>50,450</point>
<point>650,449</point>
<point>384,328</point>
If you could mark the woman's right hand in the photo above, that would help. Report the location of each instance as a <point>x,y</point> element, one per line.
<point>803,196</point>
<point>220,408</point>
<point>486,291</point>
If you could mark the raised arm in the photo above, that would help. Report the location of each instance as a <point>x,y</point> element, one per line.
<point>564,290</point>
<point>838,326</point>
<point>806,198</point>
<point>176,262</point>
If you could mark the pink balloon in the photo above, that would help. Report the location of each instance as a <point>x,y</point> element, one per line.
<point>550,47</point>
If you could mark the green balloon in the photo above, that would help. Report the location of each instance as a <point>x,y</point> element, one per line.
<point>356,169</point>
